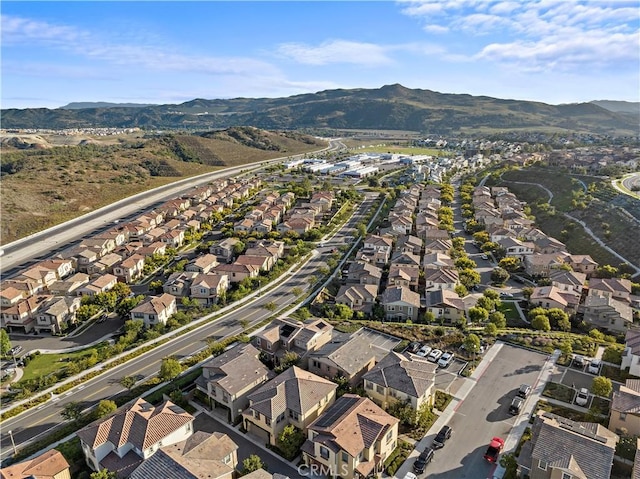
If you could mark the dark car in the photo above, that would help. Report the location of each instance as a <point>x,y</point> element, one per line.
<point>495,448</point>
<point>516,406</point>
<point>441,437</point>
<point>423,459</point>
<point>524,390</point>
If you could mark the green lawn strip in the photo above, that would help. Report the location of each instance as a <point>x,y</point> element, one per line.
<point>45,364</point>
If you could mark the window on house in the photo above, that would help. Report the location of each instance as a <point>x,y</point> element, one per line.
<point>542,465</point>
<point>345,457</point>
<point>380,389</point>
<point>324,452</point>
<point>267,421</point>
<point>623,416</point>
<point>368,385</point>
<point>227,459</point>
<point>389,436</point>
<point>566,475</point>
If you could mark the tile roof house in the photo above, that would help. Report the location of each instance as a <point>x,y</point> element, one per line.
<point>401,377</point>
<point>378,243</point>
<point>607,313</point>
<point>561,448</point>
<point>625,409</point>
<point>444,278</point>
<point>48,465</point>
<point>237,272</point>
<point>155,309</point>
<point>295,397</point>
<point>349,356</point>
<point>208,288</point>
<point>284,335</point>
<point>351,439</point>
<point>582,263</point>
<point>400,303</point>
<point>514,248</point>
<point>202,264</point>
<point>364,273</point>
<point>224,250</point>
<point>631,353</point>
<point>129,269</point>
<point>230,377</point>
<point>437,261</point>
<point>123,440</point>
<point>359,297</point>
<point>446,305</point>
<point>405,276</point>
<point>552,297</point>
<point>616,288</point>
<point>56,313</point>
<point>179,283</point>
<point>202,455</point>
<point>101,284</point>
<point>568,280</point>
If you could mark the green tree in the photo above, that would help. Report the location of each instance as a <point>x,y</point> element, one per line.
<point>510,464</point>
<point>5,342</point>
<point>601,386</point>
<point>491,329</point>
<point>510,264</point>
<point>271,306</point>
<point>72,411</point>
<point>290,440</point>
<point>486,303</point>
<point>566,348</point>
<point>105,407</point>
<point>499,275</point>
<point>469,278</point>
<point>122,290</point>
<point>103,474</point>
<point>498,318</point>
<point>127,382</point>
<point>343,312</point>
<point>252,463</point>
<point>478,315</point>
<point>541,323</point>
<point>170,368</point>
<point>491,294</point>
<point>472,343</point>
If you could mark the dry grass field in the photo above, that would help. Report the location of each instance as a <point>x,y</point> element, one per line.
<point>63,177</point>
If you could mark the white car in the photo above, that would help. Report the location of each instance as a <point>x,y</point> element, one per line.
<point>445,360</point>
<point>434,355</point>
<point>582,397</point>
<point>424,351</point>
<point>594,366</point>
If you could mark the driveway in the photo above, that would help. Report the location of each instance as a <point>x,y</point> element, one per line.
<point>246,447</point>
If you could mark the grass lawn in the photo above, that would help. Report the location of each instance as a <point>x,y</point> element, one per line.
<point>44,364</point>
<point>511,314</point>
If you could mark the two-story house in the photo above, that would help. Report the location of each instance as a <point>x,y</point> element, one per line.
<point>352,439</point>
<point>208,288</point>
<point>48,465</point>
<point>155,310</point>
<point>295,397</point>
<point>229,378</point>
<point>400,303</point>
<point>123,440</point>
<point>401,377</point>
<point>631,353</point>
<point>446,305</point>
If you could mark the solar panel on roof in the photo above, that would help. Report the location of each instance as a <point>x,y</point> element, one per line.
<point>337,410</point>
<point>286,330</point>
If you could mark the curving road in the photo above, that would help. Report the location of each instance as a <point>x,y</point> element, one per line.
<point>35,423</point>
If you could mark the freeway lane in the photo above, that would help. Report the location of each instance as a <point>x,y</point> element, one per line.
<point>31,424</point>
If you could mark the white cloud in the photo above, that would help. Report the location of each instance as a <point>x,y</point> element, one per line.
<point>24,30</point>
<point>437,29</point>
<point>336,51</point>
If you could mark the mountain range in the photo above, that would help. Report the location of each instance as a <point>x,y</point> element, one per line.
<point>391,107</point>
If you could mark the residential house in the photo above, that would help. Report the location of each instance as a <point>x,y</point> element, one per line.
<point>400,304</point>
<point>101,246</point>
<point>359,297</point>
<point>615,288</point>
<point>237,272</point>
<point>295,397</point>
<point>10,296</point>
<point>548,245</point>
<point>406,259</point>
<point>553,297</point>
<point>401,224</point>
<point>514,248</point>
<point>437,260</point>
<point>61,267</point>
<point>202,455</point>
<point>157,248</point>
<point>179,283</point>
<point>229,378</point>
<point>446,305</point>
<point>566,280</point>
<point>123,440</point>
<point>101,284</point>
<point>432,235</point>
<point>403,276</point>
<point>48,465</point>
<point>582,263</point>
<point>352,439</point>
<point>104,265</point>
<point>56,313</point>
<point>378,243</point>
<point>562,448</point>
<point>631,353</point>
<point>349,357</point>
<point>438,246</point>
<point>625,409</point>
<point>364,273</point>
<point>202,264</point>
<point>607,313</point>
<point>401,377</point>
<point>262,263</point>
<point>129,269</point>
<point>243,226</point>
<point>224,250</point>
<point>207,288</point>
<point>21,316</point>
<point>173,238</point>
<point>445,278</point>
<point>284,335</point>
<point>43,276</point>
<point>155,310</point>
<point>538,265</point>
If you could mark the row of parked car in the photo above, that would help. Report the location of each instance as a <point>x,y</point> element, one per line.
<point>426,456</point>
<point>441,358</point>
<point>592,365</point>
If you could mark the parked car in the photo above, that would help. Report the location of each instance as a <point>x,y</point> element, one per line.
<point>524,390</point>
<point>413,347</point>
<point>579,361</point>
<point>484,256</point>
<point>594,366</point>
<point>434,355</point>
<point>441,437</point>
<point>516,405</point>
<point>423,459</point>
<point>15,350</point>
<point>495,448</point>
<point>445,359</point>
<point>582,397</point>
<point>424,351</point>
<point>506,295</point>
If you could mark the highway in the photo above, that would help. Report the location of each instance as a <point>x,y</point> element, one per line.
<point>35,423</point>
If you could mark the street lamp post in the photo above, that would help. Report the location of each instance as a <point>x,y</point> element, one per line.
<point>12,443</point>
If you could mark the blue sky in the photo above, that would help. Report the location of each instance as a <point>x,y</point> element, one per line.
<point>555,51</point>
